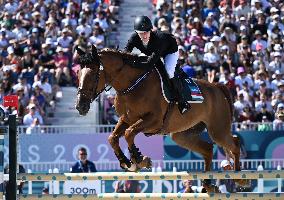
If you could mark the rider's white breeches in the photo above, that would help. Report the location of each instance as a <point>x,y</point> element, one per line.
<point>170,63</point>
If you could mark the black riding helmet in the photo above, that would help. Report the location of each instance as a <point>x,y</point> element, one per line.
<point>142,23</point>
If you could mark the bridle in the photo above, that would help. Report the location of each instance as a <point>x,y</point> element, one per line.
<point>92,94</point>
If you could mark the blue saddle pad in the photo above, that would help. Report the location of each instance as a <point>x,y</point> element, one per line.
<point>188,85</point>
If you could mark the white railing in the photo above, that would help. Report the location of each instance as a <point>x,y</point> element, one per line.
<point>86,129</point>
<point>167,165</point>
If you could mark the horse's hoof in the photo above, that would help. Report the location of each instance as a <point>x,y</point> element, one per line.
<point>132,168</point>
<point>242,182</point>
<point>211,188</point>
<point>145,163</point>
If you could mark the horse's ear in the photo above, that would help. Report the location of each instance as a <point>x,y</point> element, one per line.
<point>94,50</point>
<point>80,51</point>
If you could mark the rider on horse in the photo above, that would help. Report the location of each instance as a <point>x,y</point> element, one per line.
<point>157,45</point>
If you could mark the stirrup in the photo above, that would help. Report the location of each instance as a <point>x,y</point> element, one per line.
<point>183,107</point>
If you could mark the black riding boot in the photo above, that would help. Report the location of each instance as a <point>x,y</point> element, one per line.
<point>183,106</point>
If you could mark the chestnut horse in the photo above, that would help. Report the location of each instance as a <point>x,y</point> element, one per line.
<point>142,108</point>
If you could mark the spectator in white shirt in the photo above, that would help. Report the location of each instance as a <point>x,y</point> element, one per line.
<point>19,32</point>
<point>97,38</point>
<point>241,103</point>
<point>65,40</point>
<point>84,28</point>
<point>243,77</point>
<point>276,64</point>
<point>211,61</point>
<point>263,102</point>
<point>33,113</point>
<point>102,21</point>
<point>278,79</point>
<point>275,22</point>
<point>11,7</point>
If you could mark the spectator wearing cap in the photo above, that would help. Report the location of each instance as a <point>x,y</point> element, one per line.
<point>13,61</point>
<point>230,35</point>
<point>27,61</point>
<point>51,30</point>
<point>31,115</point>
<point>45,59</point>
<point>226,185</point>
<point>65,40</point>
<point>243,22</point>
<point>242,10</point>
<point>243,77</point>
<point>276,63</point>
<point>256,5</point>
<point>195,59</point>
<point>211,62</point>
<point>62,72</point>
<point>275,21</point>
<point>277,76</point>
<point>38,21</point>
<point>278,123</point>
<point>280,107</point>
<point>215,40</point>
<point>258,44</point>
<point>264,125</point>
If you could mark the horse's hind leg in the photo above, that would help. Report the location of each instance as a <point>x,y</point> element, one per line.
<point>113,139</point>
<point>224,138</point>
<point>190,139</point>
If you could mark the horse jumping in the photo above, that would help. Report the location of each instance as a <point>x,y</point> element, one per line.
<point>142,108</point>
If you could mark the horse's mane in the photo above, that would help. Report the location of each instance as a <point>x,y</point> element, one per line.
<point>124,54</point>
<point>89,58</point>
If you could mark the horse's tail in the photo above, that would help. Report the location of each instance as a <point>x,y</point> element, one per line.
<point>228,96</point>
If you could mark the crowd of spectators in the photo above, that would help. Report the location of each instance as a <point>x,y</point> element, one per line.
<point>37,42</point>
<point>235,42</point>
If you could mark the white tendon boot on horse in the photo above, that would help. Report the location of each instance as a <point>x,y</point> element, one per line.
<point>132,168</point>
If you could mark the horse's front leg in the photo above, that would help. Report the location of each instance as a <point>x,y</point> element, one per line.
<point>130,133</point>
<point>113,139</point>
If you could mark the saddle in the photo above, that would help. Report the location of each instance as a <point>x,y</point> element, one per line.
<point>190,89</point>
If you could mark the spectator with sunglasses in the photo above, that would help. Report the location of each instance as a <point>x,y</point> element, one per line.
<point>83,165</point>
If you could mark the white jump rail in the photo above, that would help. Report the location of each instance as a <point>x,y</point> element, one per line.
<point>152,175</point>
